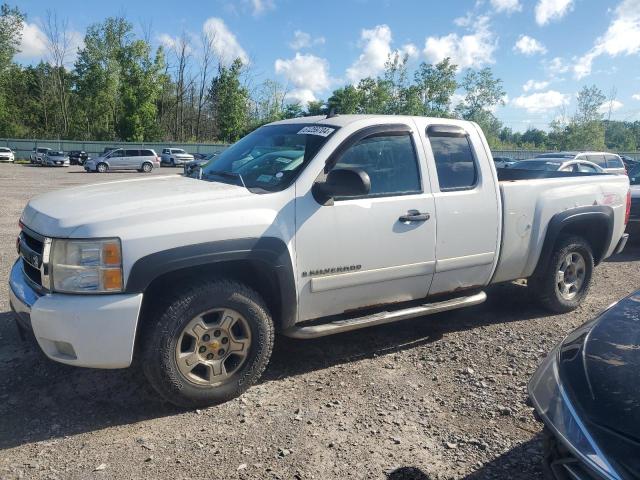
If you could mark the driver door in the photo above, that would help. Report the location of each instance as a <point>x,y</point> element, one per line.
<point>358,252</point>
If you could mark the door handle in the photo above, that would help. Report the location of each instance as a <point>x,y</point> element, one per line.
<point>414,216</point>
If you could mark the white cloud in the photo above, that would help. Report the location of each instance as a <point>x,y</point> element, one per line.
<point>636,96</point>
<point>304,40</point>
<point>534,85</point>
<point>621,38</point>
<point>507,6</point>
<point>557,65</point>
<point>541,102</point>
<point>529,46</point>
<point>174,43</point>
<point>467,51</point>
<point>376,48</point>
<point>549,10</point>
<point>224,42</point>
<point>610,106</point>
<point>261,6</point>
<point>308,74</point>
<point>34,45</point>
<point>34,42</point>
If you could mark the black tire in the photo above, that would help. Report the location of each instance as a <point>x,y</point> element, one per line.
<point>102,167</point>
<point>158,348</point>
<point>146,167</point>
<point>545,284</point>
<point>172,162</point>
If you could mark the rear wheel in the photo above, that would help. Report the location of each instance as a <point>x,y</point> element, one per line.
<point>102,167</point>
<point>565,281</point>
<point>210,344</point>
<point>147,167</point>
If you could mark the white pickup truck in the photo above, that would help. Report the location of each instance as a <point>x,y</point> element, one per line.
<point>307,227</point>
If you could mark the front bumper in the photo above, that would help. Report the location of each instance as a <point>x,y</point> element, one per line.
<point>95,331</point>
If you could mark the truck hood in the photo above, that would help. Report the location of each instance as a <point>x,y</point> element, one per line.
<point>73,212</point>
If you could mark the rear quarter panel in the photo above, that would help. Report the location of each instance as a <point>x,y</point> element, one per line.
<point>529,205</point>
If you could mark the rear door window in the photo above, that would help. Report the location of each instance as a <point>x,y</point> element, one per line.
<point>613,161</point>
<point>455,162</point>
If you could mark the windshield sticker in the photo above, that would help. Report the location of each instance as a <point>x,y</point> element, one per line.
<point>316,130</point>
<point>265,178</point>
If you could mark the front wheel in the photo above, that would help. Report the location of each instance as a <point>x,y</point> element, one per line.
<point>565,282</point>
<point>209,345</point>
<point>172,162</point>
<point>102,168</point>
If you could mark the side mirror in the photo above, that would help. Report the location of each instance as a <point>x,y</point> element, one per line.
<point>342,182</point>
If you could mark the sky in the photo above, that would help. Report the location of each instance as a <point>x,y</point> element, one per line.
<point>543,50</point>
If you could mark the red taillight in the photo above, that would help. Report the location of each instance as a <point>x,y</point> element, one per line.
<point>628,210</point>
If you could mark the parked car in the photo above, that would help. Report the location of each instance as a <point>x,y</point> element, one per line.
<point>78,157</point>
<point>142,160</point>
<point>502,162</point>
<point>199,156</point>
<point>38,154</point>
<point>610,162</point>
<point>586,393</point>
<point>6,154</point>
<point>191,167</point>
<point>634,214</point>
<point>309,227</point>
<point>55,158</point>
<point>175,157</point>
<point>629,162</point>
<point>558,165</point>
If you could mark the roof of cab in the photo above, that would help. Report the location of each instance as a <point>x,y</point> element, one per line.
<point>344,120</point>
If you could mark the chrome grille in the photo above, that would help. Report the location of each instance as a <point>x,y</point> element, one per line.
<point>33,249</point>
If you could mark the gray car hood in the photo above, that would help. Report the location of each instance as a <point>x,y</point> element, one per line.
<point>107,208</point>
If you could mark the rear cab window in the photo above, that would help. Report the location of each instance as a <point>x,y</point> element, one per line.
<point>596,158</point>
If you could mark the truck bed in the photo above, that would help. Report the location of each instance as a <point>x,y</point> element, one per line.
<point>531,198</point>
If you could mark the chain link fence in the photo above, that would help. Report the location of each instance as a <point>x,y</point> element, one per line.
<point>23,147</point>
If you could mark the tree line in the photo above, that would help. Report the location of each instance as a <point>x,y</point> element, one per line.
<point>120,88</point>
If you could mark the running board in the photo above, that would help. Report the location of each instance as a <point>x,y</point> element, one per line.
<point>380,318</point>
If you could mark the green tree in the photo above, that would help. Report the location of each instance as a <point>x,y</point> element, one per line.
<point>230,100</point>
<point>11,23</point>
<point>435,85</point>
<point>316,107</point>
<point>346,100</point>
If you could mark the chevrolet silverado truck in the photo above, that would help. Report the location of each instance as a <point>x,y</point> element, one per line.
<point>306,227</point>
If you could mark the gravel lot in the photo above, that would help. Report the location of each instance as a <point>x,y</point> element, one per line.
<point>435,397</point>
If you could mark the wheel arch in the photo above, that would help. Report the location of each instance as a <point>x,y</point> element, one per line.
<point>263,264</point>
<point>593,223</point>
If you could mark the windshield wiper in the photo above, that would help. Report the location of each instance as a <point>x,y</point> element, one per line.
<point>222,173</point>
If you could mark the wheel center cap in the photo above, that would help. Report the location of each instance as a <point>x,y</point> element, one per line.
<point>215,344</point>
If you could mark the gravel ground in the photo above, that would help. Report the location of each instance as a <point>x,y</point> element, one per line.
<point>437,397</point>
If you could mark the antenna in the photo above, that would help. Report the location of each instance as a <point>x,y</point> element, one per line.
<point>332,113</point>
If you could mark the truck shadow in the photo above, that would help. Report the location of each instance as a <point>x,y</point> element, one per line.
<point>41,400</point>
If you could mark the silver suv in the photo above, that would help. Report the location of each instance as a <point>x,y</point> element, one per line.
<point>142,160</point>
<point>609,162</point>
<point>175,156</point>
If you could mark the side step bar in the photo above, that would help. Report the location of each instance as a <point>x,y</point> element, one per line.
<point>380,318</point>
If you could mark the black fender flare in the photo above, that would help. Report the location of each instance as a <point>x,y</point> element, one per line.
<point>601,214</point>
<point>270,252</point>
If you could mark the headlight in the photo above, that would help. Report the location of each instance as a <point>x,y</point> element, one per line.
<point>86,266</point>
<point>554,406</point>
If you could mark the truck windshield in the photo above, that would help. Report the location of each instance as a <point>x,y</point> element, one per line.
<point>270,158</point>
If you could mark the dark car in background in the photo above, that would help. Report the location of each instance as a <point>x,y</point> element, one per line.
<point>634,212</point>
<point>78,157</point>
<point>502,162</point>
<point>587,393</point>
<point>191,167</point>
<point>629,162</point>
